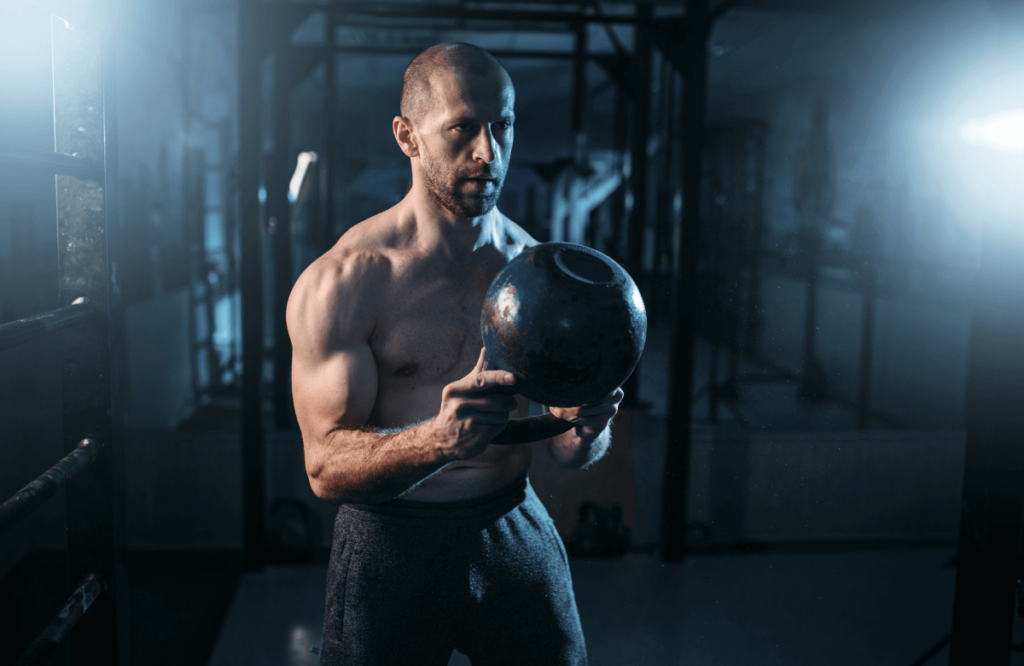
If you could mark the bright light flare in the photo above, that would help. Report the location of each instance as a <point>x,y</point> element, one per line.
<point>301,166</point>
<point>1000,131</point>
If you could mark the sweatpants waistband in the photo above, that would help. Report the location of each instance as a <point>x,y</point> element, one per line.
<point>485,507</point>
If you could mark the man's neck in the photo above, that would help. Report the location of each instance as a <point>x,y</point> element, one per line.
<point>438,229</point>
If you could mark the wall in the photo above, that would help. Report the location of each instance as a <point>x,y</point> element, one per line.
<point>828,486</point>
<point>905,187</point>
<point>919,348</point>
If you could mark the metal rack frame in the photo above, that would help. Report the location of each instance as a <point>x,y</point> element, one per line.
<point>264,29</point>
<point>84,163</point>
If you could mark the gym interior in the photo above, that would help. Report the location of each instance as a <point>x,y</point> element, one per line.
<point>819,458</point>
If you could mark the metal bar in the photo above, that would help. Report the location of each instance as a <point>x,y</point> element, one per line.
<point>813,386</point>
<point>328,164</point>
<point>85,123</point>
<point>250,142</point>
<point>638,147</point>
<point>989,562</point>
<point>753,318</point>
<point>638,173</point>
<point>199,287</point>
<point>31,328</point>
<point>612,36</point>
<point>675,493</point>
<point>712,319</point>
<point>579,79</point>
<point>866,347</point>
<point>413,49</point>
<point>57,164</point>
<point>229,219</point>
<point>43,647</point>
<point>620,130</point>
<point>455,26</point>
<point>26,500</point>
<point>665,212</point>
<point>411,11</point>
<point>279,167</point>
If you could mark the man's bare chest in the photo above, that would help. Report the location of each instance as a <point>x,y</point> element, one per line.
<point>429,332</point>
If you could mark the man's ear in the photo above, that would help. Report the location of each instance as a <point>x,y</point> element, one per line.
<point>405,137</point>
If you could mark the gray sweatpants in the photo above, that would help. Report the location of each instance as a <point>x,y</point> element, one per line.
<point>409,581</point>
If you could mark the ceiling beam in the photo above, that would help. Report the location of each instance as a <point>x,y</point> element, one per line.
<point>296,13</point>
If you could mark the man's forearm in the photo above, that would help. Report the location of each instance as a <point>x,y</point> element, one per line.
<point>368,467</point>
<point>575,452</point>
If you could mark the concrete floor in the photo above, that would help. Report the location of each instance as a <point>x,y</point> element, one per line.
<point>776,609</point>
<point>835,608</point>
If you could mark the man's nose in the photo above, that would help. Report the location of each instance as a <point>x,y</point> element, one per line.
<point>485,146</point>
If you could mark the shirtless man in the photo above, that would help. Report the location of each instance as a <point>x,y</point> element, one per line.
<point>439,542</point>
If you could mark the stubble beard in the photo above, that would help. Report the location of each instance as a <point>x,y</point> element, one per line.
<point>442,183</point>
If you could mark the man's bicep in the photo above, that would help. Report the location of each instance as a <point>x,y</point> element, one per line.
<point>336,390</point>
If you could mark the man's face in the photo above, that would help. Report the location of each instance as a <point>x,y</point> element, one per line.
<point>467,140</point>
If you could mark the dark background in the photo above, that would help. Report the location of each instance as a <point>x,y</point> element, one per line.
<point>843,461</point>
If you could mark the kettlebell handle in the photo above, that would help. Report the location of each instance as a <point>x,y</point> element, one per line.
<point>528,428</point>
<point>531,429</point>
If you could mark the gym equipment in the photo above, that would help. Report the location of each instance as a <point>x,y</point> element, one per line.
<point>599,533</point>
<point>569,323</point>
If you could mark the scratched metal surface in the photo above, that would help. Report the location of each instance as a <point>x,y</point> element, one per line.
<point>567,321</point>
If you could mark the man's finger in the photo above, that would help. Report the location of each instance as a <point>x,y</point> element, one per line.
<point>489,379</point>
<point>492,403</point>
<point>480,362</point>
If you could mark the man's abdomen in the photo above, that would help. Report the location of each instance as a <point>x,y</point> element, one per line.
<point>495,468</point>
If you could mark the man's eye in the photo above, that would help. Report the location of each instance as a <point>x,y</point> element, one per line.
<point>503,125</point>
<point>463,127</point>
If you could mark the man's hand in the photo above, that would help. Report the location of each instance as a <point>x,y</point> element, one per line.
<point>472,413</point>
<point>591,420</point>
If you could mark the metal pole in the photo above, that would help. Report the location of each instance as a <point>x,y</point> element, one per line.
<point>618,203</point>
<point>713,313</point>
<point>43,648</point>
<point>989,561</point>
<point>85,122</point>
<point>47,484</point>
<point>229,219</point>
<point>675,489</point>
<point>753,257</point>
<point>638,173</point>
<point>250,148</point>
<point>279,167</point>
<point>665,214</point>
<point>579,94</point>
<point>327,164</point>
<point>867,333</point>
<point>638,150</point>
<point>31,328</point>
<point>812,382</point>
<point>736,165</point>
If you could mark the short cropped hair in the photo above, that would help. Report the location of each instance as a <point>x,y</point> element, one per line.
<point>417,92</point>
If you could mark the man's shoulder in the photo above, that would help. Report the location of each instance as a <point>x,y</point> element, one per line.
<point>345,284</point>
<point>514,238</point>
<point>363,253</point>
<point>347,265</point>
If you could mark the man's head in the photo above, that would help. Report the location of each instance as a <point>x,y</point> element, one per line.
<point>456,125</point>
